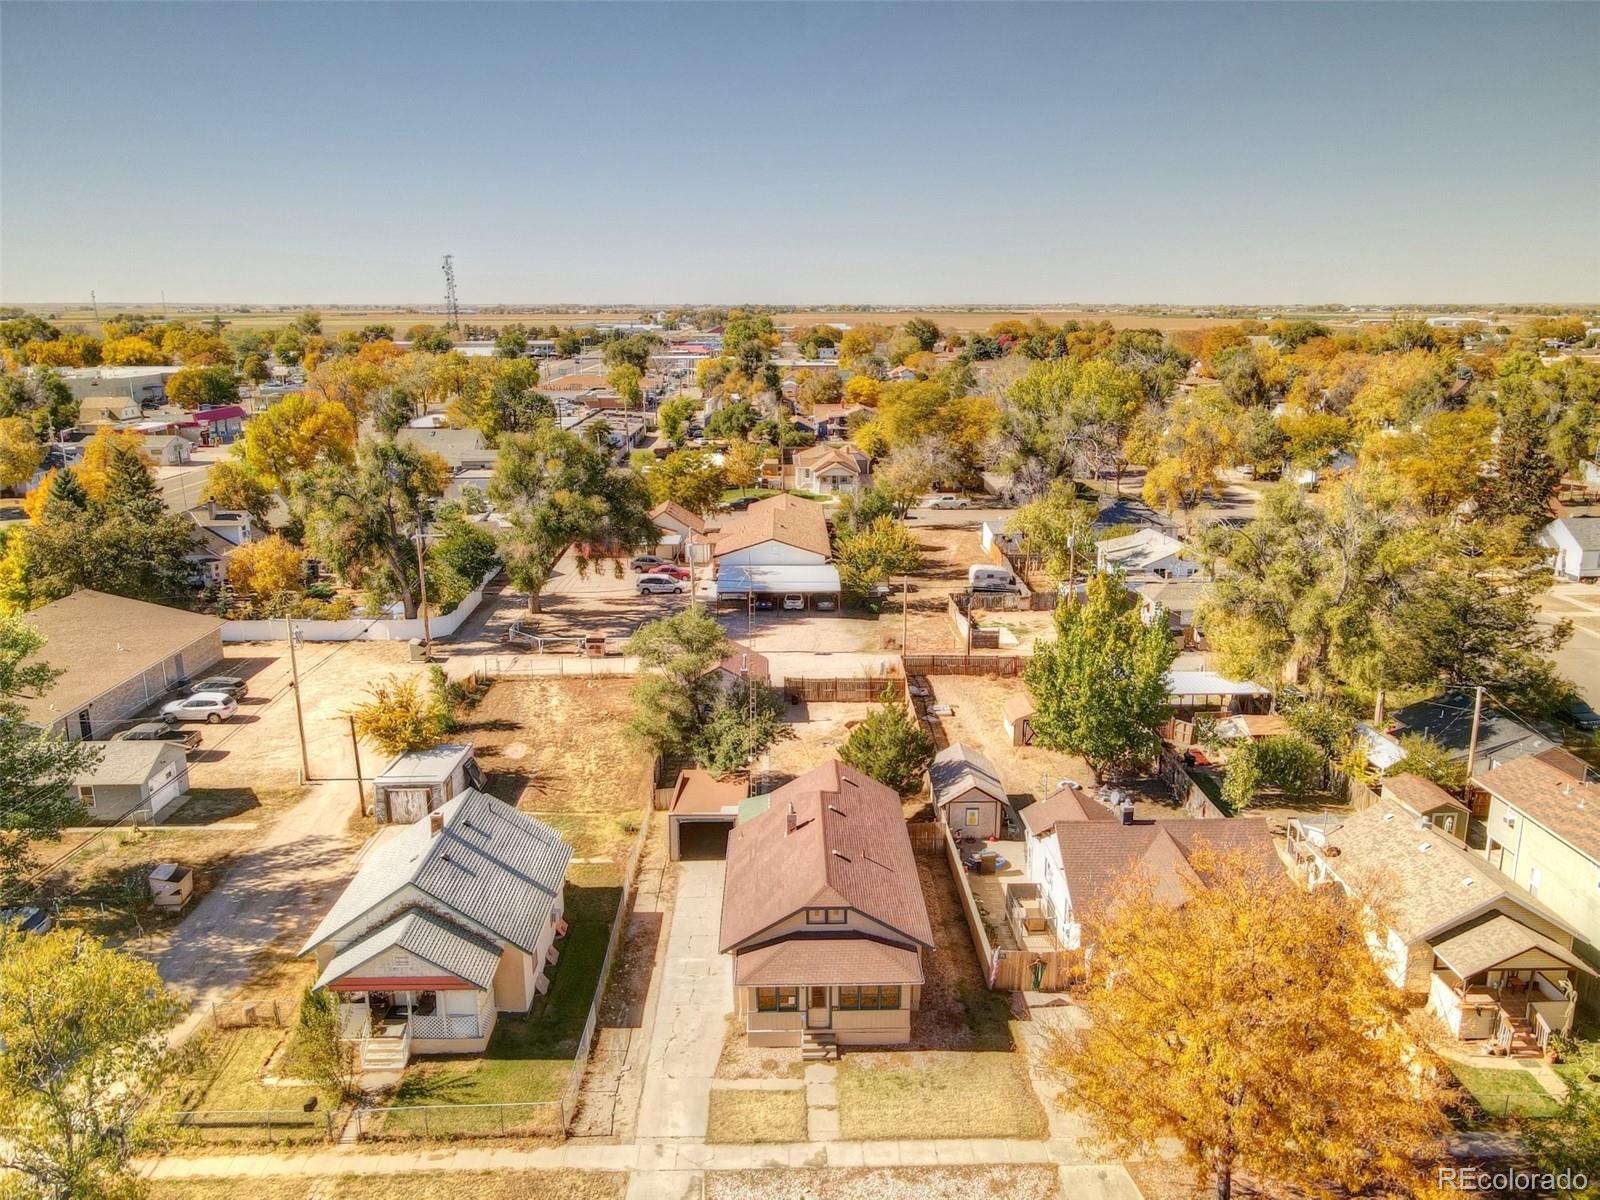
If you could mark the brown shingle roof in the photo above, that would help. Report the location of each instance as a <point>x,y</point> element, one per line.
<point>1097,858</point>
<point>1064,804</point>
<point>1422,796</point>
<point>818,457</point>
<point>822,959</point>
<point>787,519</point>
<point>1496,940</point>
<point>849,848</point>
<point>1546,794</point>
<point>700,792</point>
<point>742,659</point>
<point>1426,883</point>
<point>98,641</point>
<point>680,514</point>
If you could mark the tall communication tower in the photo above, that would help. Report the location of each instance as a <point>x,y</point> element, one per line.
<point>451,307</point>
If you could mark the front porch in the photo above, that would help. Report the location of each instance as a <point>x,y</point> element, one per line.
<point>388,1027</point>
<point>1503,982</point>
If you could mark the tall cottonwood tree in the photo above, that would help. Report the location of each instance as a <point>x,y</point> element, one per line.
<point>1250,1024</point>
<point>1099,687</point>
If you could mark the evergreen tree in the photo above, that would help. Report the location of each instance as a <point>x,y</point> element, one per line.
<point>1525,474</point>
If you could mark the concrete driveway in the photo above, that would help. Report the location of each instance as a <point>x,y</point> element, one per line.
<point>690,1018</point>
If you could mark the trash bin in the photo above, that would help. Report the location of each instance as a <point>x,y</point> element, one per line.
<point>417,653</point>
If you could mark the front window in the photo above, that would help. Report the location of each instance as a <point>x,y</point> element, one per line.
<point>972,817</point>
<point>778,999</point>
<point>825,916</point>
<point>887,996</point>
<point>427,1004</point>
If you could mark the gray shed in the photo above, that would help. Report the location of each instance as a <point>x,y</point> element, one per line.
<point>415,784</point>
<point>967,792</point>
<point>137,781</point>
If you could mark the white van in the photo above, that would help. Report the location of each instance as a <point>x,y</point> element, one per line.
<point>981,577</point>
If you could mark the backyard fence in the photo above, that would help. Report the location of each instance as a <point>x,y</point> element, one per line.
<point>483,667</point>
<point>253,1125</point>
<point>975,636</point>
<point>1186,790</point>
<point>1003,666</point>
<point>1005,970</point>
<point>848,690</point>
<point>240,1014</point>
<point>1351,790</point>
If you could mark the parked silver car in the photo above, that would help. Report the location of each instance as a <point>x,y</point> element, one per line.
<point>211,707</point>
<point>653,585</point>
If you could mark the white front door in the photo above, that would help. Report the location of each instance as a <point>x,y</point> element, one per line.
<point>818,1013</point>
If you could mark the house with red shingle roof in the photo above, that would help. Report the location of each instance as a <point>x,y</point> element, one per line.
<point>823,913</point>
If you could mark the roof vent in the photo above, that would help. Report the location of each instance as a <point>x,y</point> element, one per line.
<point>840,854</point>
<point>790,819</point>
<point>1388,816</point>
<point>837,809</point>
<point>1468,881</point>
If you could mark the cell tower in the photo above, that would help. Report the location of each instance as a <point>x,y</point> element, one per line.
<point>452,308</point>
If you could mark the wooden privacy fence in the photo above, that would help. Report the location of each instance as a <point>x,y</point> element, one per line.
<point>1004,970</point>
<point>857,689</point>
<point>1185,790</point>
<point>975,636</point>
<point>1003,666</point>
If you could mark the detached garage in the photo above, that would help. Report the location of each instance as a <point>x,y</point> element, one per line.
<point>704,811</point>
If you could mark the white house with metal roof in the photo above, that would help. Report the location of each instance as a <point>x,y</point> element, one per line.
<point>448,922</point>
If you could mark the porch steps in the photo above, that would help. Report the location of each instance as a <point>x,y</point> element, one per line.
<point>1523,1041</point>
<point>384,1057</point>
<point>818,1045</point>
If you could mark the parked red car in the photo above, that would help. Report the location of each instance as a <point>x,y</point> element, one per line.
<point>673,572</point>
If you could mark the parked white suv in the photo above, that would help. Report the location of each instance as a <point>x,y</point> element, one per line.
<point>652,585</point>
<point>202,706</point>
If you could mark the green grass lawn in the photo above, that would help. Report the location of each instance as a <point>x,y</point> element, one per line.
<point>223,1071</point>
<point>761,493</point>
<point>937,1094</point>
<point>529,1058</point>
<point>1505,1091</point>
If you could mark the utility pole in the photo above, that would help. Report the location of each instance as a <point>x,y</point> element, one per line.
<point>299,713</point>
<point>422,582</point>
<point>361,788</point>
<point>1477,714</point>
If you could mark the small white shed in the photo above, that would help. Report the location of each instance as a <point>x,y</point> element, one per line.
<point>417,783</point>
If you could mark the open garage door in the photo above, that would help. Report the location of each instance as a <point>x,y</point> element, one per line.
<point>702,838</point>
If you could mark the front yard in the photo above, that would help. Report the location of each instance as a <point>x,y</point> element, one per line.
<point>529,1059</point>
<point>408,1185</point>
<point>742,1115</point>
<point>1505,1091</point>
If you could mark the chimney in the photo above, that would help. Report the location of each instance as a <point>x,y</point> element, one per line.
<point>435,824</point>
<point>789,820</point>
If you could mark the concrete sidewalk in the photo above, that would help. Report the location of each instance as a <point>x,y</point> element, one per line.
<point>650,1155</point>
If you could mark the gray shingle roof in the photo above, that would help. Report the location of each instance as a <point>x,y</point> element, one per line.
<point>494,866</point>
<point>958,768</point>
<point>430,938</point>
<point>1584,530</point>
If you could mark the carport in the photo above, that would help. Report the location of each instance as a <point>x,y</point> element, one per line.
<point>811,580</point>
<point>704,811</point>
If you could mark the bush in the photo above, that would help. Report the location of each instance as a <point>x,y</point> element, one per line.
<point>890,746</point>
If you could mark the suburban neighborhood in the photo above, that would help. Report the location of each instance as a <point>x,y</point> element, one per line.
<point>464,733</point>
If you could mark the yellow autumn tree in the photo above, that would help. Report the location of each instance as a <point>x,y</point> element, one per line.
<point>261,571</point>
<point>863,390</point>
<point>20,452</point>
<point>98,452</point>
<point>131,351</point>
<point>399,717</point>
<point>294,435</point>
<point>1246,1021</point>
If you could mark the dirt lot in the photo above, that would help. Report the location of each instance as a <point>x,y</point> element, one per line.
<point>555,748</point>
<point>975,719</point>
<point>819,730</point>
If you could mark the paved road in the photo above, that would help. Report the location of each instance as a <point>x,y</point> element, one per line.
<point>1579,659</point>
<point>690,1018</point>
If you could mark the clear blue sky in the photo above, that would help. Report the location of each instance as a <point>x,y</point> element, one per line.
<point>1187,153</point>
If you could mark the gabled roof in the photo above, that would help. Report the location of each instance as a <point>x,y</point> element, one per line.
<point>1585,531</point>
<point>455,446</point>
<point>1497,940</point>
<point>436,762</point>
<point>490,864</point>
<point>98,641</point>
<point>680,514</point>
<point>1567,807</point>
<point>438,942</point>
<point>818,458</point>
<point>1098,858</point>
<point>1421,796</point>
<point>784,518</point>
<point>1252,725</point>
<point>821,958</point>
<point>1018,706</point>
<point>1447,719</point>
<point>1425,883</point>
<point>742,661</point>
<point>1176,595</point>
<point>849,848</point>
<point>1064,804</point>
<point>127,763</point>
<point>1138,549</point>
<point>958,769</point>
